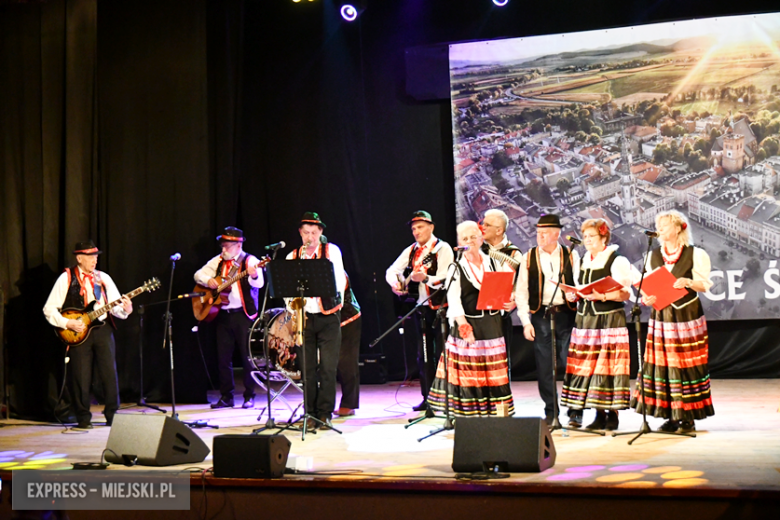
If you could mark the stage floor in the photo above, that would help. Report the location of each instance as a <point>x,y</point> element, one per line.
<point>735,453</point>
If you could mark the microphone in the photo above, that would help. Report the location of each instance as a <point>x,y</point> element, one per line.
<point>191,295</point>
<point>175,257</point>
<point>323,239</point>
<point>278,245</point>
<point>574,240</point>
<point>461,248</point>
<point>650,233</point>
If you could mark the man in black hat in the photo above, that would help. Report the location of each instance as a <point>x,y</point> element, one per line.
<point>426,261</point>
<point>76,288</point>
<point>322,333</point>
<point>234,318</point>
<point>540,270</point>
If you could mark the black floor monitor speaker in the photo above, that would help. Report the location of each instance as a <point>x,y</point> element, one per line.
<point>153,440</point>
<point>514,444</point>
<point>250,456</point>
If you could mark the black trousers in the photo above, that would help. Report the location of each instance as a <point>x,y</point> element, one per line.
<point>233,332</point>
<point>348,371</point>
<point>427,346</point>
<point>564,322</point>
<point>99,349</point>
<point>509,333</point>
<point>322,342</point>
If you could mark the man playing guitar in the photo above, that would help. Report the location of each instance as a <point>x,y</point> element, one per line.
<point>77,287</point>
<point>235,317</point>
<point>425,262</point>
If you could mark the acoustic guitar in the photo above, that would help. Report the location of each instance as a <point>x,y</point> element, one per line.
<point>206,307</point>
<point>411,290</point>
<point>89,315</point>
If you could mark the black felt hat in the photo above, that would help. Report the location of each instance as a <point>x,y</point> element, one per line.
<point>312,218</point>
<point>552,221</point>
<point>86,248</point>
<point>231,234</point>
<point>420,216</point>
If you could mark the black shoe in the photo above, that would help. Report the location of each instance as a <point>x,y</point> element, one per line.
<point>575,419</point>
<point>109,421</point>
<point>84,426</point>
<point>421,407</point>
<point>687,426</point>
<point>612,421</point>
<point>311,425</point>
<point>669,426</point>
<point>600,423</point>
<point>223,403</point>
<point>249,402</point>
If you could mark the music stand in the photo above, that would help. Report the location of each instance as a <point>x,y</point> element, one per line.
<point>302,279</point>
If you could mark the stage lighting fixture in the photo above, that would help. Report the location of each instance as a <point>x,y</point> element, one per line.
<point>500,3</point>
<point>349,13</point>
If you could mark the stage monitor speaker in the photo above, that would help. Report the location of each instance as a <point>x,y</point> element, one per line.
<point>250,456</point>
<point>153,440</point>
<point>514,444</point>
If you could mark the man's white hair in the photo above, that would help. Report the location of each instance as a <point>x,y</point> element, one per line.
<point>500,214</point>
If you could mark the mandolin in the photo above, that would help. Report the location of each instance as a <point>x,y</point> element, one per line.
<point>89,315</point>
<point>411,290</point>
<point>205,308</point>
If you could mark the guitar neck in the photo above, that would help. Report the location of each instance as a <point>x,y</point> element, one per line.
<point>230,281</point>
<point>501,257</point>
<point>97,313</point>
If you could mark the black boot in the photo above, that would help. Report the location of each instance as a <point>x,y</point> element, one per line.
<point>600,423</point>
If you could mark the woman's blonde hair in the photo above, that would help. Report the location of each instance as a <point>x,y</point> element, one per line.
<point>676,218</point>
<point>600,225</point>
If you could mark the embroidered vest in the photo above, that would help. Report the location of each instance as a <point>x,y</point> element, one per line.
<point>441,298</point>
<point>249,295</point>
<point>351,309</point>
<point>74,298</point>
<point>591,275</point>
<point>682,269</point>
<point>536,278</point>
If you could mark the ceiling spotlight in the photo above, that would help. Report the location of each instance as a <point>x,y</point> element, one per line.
<point>500,3</point>
<point>349,13</point>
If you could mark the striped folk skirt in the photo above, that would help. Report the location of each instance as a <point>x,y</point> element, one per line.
<point>675,373</point>
<point>598,364</point>
<point>477,373</point>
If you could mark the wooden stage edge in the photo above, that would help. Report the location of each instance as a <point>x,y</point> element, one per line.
<point>379,469</point>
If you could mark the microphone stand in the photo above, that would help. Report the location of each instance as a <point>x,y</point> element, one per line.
<point>550,314</point>
<point>448,424</point>
<point>428,412</point>
<point>168,339</point>
<point>636,313</point>
<point>270,423</point>
<point>141,398</point>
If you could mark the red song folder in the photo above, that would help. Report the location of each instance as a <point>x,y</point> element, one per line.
<point>496,290</point>
<point>660,283</point>
<point>602,286</point>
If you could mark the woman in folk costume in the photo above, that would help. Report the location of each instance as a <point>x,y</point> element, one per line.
<point>597,367</point>
<point>476,351</point>
<point>675,373</point>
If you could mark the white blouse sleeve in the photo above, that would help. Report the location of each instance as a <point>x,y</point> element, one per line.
<point>702,267</point>
<point>622,271</point>
<point>454,305</point>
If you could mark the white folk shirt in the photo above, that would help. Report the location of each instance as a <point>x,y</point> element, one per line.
<point>58,293</point>
<point>475,275</point>
<point>550,264</point>
<point>313,304</point>
<point>209,271</point>
<point>444,258</point>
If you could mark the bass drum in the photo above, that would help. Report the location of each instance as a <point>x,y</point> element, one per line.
<point>282,351</point>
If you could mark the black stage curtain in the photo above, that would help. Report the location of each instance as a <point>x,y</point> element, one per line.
<point>149,126</point>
